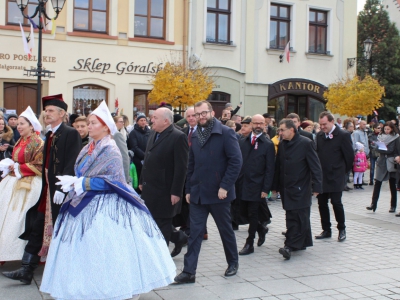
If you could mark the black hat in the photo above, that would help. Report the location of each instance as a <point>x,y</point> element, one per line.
<point>246,120</point>
<point>56,100</point>
<point>72,118</point>
<point>12,116</point>
<point>267,115</point>
<point>141,116</point>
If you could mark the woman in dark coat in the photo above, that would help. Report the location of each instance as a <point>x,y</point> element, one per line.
<point>385,166</point>
<point>137,142</point>
<point>6,140</point>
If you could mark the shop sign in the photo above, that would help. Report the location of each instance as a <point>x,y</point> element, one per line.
<point>296,86</point>
<point>120,68</point>
<point>10,61</point>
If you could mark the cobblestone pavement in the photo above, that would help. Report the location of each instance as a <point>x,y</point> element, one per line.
<point>365,266</point>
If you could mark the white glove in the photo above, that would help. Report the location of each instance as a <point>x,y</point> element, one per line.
<point>66,182</point>
<point>78,186</point>
<point>5,172</point>
<point>4,166</point>
<point>16,171</point>
<point>58,197</point>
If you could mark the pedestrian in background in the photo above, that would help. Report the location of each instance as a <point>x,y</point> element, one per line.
<point>373,153</point>
<point>360,166</point>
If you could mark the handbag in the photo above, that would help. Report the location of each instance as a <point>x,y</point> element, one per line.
<point>390,164</point>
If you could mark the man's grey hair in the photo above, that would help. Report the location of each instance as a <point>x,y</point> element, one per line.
<point>191,107</point>
<point>288,124</point>
<point>168,115</point>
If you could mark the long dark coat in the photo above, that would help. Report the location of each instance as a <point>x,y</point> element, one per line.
<point>336,156</point>
<point>164,171</point>
<point>257,173</point>
<point>297,165</point>
<point>214,165</point>
<point>65,147</point>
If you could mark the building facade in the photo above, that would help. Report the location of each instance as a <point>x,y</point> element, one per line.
<point>101,50</point>
<point>108,49</point>
<point>243,41</point>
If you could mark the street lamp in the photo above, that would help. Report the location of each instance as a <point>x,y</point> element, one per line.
<point>368,53</point>
<point>40,11</point>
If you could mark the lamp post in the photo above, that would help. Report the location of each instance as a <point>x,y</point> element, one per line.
<point>368,53</point>
<point>40,11</point>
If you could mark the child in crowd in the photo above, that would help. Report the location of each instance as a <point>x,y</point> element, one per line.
<point>360,166</point>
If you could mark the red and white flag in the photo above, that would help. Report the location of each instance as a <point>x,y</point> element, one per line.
<point>25,43</point>
<point>31,42</point>
<point>287,51</point>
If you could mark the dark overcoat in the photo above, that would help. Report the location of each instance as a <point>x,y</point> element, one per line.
<point>164,171</point>
<point>257,173</point>
<point>214,165</point>
<point>297,165</point>
<point>336,156</point>
<point>65,147</point>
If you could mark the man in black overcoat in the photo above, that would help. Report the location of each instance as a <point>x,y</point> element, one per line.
<point>255,179</point>
<point>336,154</point>
<point>62,146</point>
<point>163,173</point>
<point>214,166</point>
<point>297,165</point>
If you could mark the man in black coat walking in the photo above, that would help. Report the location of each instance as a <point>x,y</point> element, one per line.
<point>214,166</point>
<point>163,173</point>
<point>255,179</point>
<point>297,165</point>
<point>60,151</point>
<point>336,154</point>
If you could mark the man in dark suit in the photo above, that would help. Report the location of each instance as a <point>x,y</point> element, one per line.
<point>296,120</point>
<point>62,146</point>
<point>255,179</point>
<point>297,165</point>
<point>163,173</point>
<point>336,154</point>
<point>214,165</point>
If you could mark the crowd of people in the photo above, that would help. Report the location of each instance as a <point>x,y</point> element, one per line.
<point>99,194</point>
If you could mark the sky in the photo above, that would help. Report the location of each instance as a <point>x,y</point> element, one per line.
<point>360,5</point>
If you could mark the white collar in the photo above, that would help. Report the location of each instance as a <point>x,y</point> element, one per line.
<point>257,136</point>
<point>333,128</point>
<point>53,130</point>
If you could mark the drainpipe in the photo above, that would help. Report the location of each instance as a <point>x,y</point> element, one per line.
<point>184,54</point>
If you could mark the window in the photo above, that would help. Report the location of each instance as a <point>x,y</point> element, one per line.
<point>218,21</point>
<point>91,15</point>
<point>150,18</point>
<point>14,15</point>
<point>318,29</point>
<point>141,103</point>
<point>87,98</point>
<point>280,26</point>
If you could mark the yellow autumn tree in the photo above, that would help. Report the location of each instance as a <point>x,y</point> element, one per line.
<point>180,86</point>
<point>354,96</point>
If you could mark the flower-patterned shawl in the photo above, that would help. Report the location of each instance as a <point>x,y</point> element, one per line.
<point>32,160</point>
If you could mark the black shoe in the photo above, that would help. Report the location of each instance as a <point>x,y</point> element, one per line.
<point>361,187</point>
<point>247,249</point>
<point>392,209</point>
<point>284,233</point>
<point>185,278</point>
<point>286,252</point>
<point>324,234</point>
<point>397,215</point>
<point>342,235</point>
<point>356,186</point>
<point>261,236</point>
<point>371,183</point>
<point>25,273</point>
<point>346,188</point>
<point>178,246</point>
<point>372,207</point>
<point>232,270</point>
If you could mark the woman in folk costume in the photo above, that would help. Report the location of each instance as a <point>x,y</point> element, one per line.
<point>20,189</point>
<point>105,244</point>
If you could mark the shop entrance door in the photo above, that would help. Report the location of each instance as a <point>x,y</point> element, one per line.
<point>19,96</point>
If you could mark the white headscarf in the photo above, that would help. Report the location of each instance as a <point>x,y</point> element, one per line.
<point>103,113</point>
<point>30,115</point>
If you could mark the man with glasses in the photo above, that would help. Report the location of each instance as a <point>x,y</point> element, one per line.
<point>297,165</point>
<point>255,180</point>
<point>214,165</point>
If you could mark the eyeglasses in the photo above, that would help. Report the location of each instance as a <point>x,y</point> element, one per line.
<point>203,113</point>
